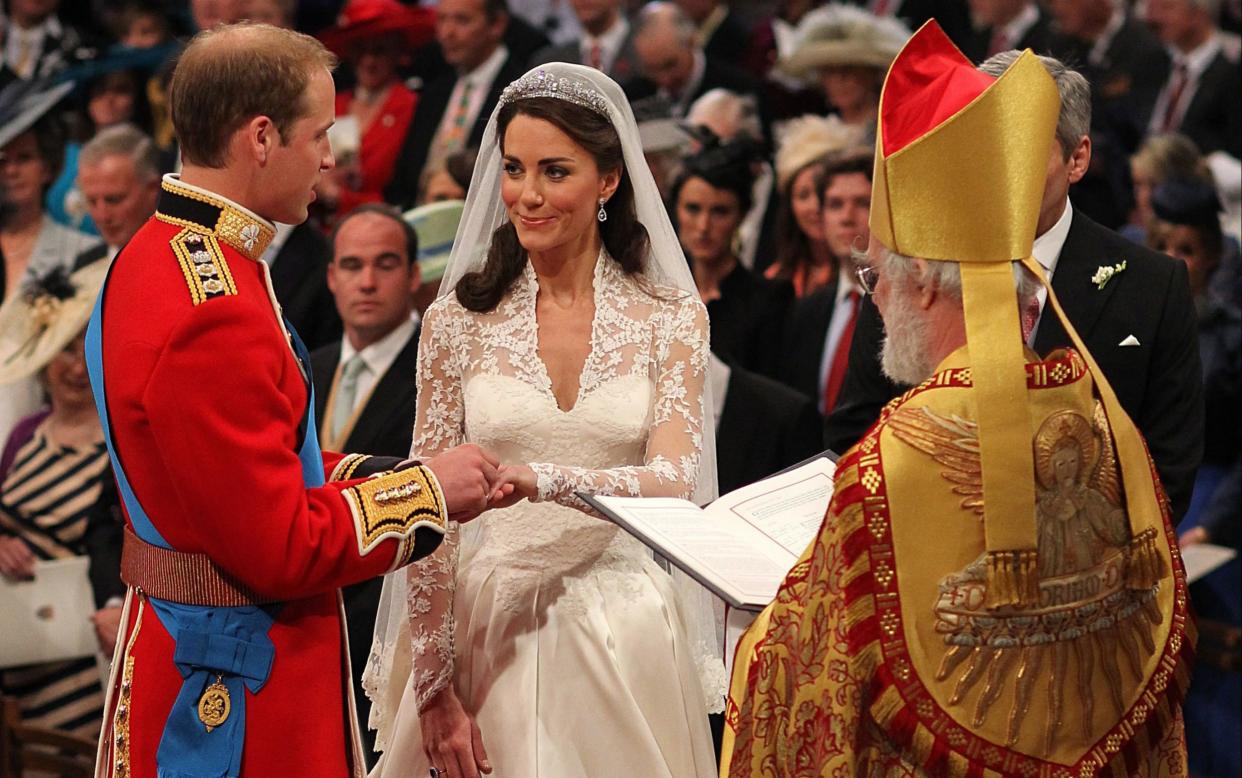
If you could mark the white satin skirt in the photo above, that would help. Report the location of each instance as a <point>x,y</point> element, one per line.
<point>571,674</point>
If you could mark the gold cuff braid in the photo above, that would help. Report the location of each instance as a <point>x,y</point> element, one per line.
<point>348,465</point>
<point>394,505</point>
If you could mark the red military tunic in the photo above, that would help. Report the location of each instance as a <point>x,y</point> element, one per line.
<point>206,398</point>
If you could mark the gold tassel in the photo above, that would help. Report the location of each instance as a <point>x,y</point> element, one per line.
<point>1012,579</point>
<point>1146,566</point>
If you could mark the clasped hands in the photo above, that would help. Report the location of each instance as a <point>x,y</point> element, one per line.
<point>473,480</point>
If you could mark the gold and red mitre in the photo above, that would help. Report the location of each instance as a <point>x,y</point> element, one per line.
<point>1079,579</point>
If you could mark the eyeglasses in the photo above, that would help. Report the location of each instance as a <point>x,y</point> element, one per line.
<point>867,277</point>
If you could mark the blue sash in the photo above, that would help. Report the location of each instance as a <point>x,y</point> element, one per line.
<point>226,644</point>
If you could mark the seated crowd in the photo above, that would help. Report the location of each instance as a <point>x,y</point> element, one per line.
<point>759,123</point>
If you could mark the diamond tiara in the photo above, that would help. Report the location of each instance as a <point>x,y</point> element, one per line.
<point>543,84</point>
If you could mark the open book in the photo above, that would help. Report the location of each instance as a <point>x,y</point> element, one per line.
<point>742,545</point>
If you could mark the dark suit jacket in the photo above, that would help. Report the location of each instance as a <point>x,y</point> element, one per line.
<point>624,68</point>
<point>383,428</point>
<point>432,103</point>
<point>1039,38</point>
<point>1213,120</point>
<point>729,41</point>
<point>1159,382</point>
<point>748,320</point>
<point>300,280</point>
<point>804,341</point>
<point>1126,83</point>
<point>764,428</point>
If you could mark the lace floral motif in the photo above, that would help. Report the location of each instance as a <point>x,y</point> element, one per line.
<point>636,428</point>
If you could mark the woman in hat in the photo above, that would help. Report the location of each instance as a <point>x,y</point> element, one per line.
<point>376,38</point>
<point>849,49</point>
<point>803,257</point>
<point>51,477</point>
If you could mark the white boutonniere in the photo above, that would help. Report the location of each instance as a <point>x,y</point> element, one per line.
<point>1105,272</point>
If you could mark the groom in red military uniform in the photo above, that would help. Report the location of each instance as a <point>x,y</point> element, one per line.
<point>240,531</point>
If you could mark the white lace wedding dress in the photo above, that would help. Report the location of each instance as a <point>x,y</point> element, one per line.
<point>563,637</point>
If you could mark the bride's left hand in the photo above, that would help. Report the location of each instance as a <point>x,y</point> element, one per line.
<point>522,480</point>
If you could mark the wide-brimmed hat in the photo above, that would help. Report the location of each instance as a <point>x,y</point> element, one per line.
<point>21,106</point>
<point>843,35</point>
<point>436,225</point>
<point>364,20</point>
<point>808,138</point>
<point>37,323</point>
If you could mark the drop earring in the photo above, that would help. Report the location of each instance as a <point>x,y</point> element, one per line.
<point>602,215</point>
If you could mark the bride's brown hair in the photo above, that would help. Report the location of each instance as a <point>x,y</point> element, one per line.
<point>623,235</point>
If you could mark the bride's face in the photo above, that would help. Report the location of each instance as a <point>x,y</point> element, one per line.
<point>551,186</point>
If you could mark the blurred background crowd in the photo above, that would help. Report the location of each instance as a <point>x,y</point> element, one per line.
<point>758,121</point>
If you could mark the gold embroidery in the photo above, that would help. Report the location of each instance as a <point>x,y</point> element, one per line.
<point>394,505</point>
<point>345,469</point>
<point>234,227</point>
<point>121,716</point>
<point>203,265</point>
<point>1079,604</point>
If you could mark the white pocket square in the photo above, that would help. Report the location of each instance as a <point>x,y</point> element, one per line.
<point>1130,341</point>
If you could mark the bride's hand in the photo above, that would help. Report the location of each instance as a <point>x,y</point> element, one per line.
<point>451,738</point>
<point>521,479</point>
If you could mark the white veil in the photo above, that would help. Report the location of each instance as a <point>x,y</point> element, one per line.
<point>666,266</point>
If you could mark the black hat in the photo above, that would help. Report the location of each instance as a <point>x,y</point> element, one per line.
<point>1187,201</point>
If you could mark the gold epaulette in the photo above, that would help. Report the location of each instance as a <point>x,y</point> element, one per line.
<point>203,265</point>
<point>395,505</point>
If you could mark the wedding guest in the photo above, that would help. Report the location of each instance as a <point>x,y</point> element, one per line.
<point>1160,158</point>
<point>53,468</point>
<point>747,311</point>
<point>119,178</point>
<point>606,42</point>
<point>802,253</point>
<point>375,37</point>
<point>847,49</point>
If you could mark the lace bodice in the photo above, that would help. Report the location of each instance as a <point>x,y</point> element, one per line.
<point>636,428</point>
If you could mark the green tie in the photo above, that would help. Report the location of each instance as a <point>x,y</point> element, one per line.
<point>346,392</point>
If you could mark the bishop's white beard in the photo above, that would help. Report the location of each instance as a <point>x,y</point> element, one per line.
<point>903,357</point>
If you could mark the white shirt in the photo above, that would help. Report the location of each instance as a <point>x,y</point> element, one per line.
<point>718,374</point>
<point>29,42</point>
<point>1018,25</point>
<point>609,44</point>
<point>1099,50</point>
<point>1047,252</point>
<point>479,81</point>
<point>278,242</point>
<point>377,357</point>
<point>1196,61</point>
<point>841,312</point>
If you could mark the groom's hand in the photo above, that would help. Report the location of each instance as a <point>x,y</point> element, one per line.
<point>468,477</point>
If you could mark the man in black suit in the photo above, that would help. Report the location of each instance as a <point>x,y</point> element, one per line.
<point>119,178</point>
<point>675,65</point>
<point>364,383</point>
<point>1140,324</point>
<point>607,42</point>
<point>453,109</point>
<point>298,261</point>
<point>720,31</point>
<point>1001,25</point>
<point>762,426</point>
<point>1202,98</point>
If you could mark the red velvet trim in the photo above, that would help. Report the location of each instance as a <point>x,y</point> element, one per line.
<point>929,82</point>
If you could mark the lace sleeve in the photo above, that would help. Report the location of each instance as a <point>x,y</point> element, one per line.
<point>438,426</point>
<point>671,463</point>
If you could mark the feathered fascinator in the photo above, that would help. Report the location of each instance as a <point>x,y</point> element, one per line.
<point>808,138</point>
<point>843,35</point>
<point>37,324</point>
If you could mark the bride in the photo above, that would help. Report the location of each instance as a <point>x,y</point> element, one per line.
<point>540,640</point>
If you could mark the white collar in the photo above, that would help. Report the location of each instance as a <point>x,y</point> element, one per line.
<point>610,42</point>
<point>273,249</point>
<point>846,282</point>
<point>1099,49</point>
<point>380,355</point>
<point>485,73</point>
<point>1019,24</point>
<point>682,100</point>
<point>718,374</point>
<point>1197,59</point>
<point>1047,247</point>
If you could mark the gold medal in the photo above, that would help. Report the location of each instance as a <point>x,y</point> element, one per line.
<point>214,706</point>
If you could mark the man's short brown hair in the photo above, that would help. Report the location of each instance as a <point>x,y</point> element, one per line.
<point>230,74</point>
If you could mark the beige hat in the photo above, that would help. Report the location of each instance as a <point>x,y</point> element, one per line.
<point>843,35</point>
<point>808,138</point>
<point>36,326</point>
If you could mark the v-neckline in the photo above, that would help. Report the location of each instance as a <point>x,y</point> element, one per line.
<point>546,374</point>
